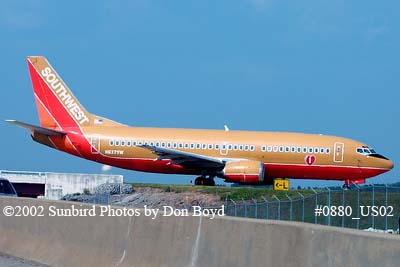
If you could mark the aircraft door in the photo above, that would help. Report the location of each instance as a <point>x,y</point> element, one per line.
<point>338,152</point>
<point>95,145</point>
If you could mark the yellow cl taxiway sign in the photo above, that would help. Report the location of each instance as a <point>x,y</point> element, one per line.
<point>280,184</point>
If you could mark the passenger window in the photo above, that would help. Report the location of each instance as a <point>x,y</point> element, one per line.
<point>117,142</point>
<point>240,147</point>
<point>316,150</point>
<point>134,143</point>
<point>175,145</point>
<point>293,149</point>
<point>204,146</point>
<point>198,146</point>
<point>263,148</point>
<point>210,146</point>
<point>252,147</point>
<point>310,150</point>
<point>304,150</point>
<point>151,143</point>
<point>180,145</point>
<point>111,143</point>
<point>275,148</point>
<point>235,147</point>
<point>328,151</point>
<point>122,143</point>
<point>162,144</point>
<point>229,147</point>
<point>157,143</point>
<point>169,144</point>
<point>128,143</point>
<point>140,143</point>
<point>216,146</point>
<point>246,147</point>
<point>186,145</point>
<point>298,149</point>
<point>281,149</point>
<point>322,150</point>
<point>269,148</point>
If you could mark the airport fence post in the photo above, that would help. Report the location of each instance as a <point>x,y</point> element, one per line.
<point>316,204</point>
<point>266,202</point>
<point>386,204</point>
<point>255,209</point>
<point>329,206</point>
<point>358,206</point>
<point>245,208</point>
<point>291,208</point>
<point>373,203</point>
<point>235,209</point>
<point>343,204</point>
<point>279,206</point>
<point>302,214</point>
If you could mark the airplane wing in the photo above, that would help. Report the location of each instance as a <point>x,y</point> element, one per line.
<point>37,129</point>
<point>186,159</point>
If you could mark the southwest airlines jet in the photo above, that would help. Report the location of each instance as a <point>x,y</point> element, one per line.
<point>242,157</point>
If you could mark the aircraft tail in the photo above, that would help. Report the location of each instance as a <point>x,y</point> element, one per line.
<point>58,108</point>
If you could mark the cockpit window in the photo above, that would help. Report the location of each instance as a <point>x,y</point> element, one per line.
<point>365,150</point>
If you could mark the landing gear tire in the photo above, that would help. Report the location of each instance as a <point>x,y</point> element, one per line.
<point>199,181</point>
<point>346,187</point>
<point>204,181</point>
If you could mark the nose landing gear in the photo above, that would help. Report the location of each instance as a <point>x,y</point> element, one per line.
<point>203,180</point>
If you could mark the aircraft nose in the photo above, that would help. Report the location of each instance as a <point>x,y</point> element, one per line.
<point>389,164</point>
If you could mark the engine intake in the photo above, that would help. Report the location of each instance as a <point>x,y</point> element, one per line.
<point>244,171</point>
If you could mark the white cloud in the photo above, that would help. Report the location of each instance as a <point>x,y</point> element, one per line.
<point>106,168</point>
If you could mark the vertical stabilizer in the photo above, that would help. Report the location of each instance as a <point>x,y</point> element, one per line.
<point>57,106</point>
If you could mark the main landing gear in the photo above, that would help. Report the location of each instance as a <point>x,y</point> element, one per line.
<point>346,187</point>
<point>202,180</point>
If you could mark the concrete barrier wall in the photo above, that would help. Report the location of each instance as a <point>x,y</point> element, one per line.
<point>185,241</point>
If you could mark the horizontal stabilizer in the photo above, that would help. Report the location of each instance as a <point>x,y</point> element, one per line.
<point>37,129</point>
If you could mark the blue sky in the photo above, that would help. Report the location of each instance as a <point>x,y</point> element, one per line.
<point>311,66</point>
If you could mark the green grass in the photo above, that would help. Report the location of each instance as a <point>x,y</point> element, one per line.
<point>233,193</point>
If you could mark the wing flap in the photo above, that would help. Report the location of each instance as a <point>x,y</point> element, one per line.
<point>37,129</point>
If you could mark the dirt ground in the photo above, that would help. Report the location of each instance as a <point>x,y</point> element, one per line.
<point>153,197</point>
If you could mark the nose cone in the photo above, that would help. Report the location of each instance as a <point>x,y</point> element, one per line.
<point>383,162</point>
<point>389,164</point>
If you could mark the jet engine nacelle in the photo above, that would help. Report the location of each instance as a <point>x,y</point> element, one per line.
<point>244,171</point>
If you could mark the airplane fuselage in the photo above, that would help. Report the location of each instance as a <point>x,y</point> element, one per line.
<point>284,155</point>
